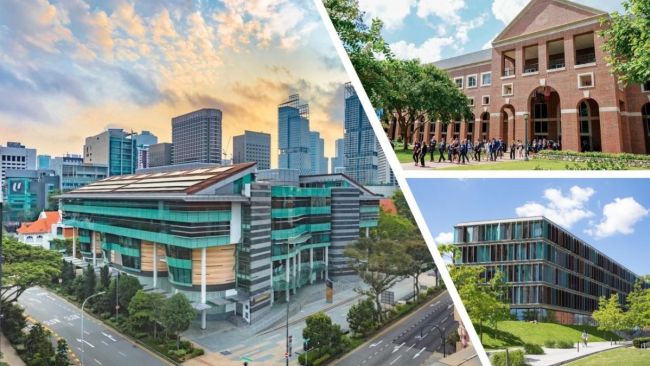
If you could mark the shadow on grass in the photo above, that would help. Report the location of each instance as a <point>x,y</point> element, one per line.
<point>593,331</point>
<point>500,338</point>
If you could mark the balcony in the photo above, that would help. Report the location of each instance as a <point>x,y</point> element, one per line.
<point>531,67</point>
<point>508,71</point>
<point>586,58</point>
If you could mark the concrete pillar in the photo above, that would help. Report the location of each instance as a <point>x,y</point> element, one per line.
<point>295,274</point>
<point>155,265</point>
<point>203,286</point>
<point>496,126</point>
<point>299,262</point>
<point>326,263</point>
<point>542,55</point>
<point>311,265</point>
<point>271,282</point>
<point>463,130</point>
<point>427,132</point>
<point>610,130</point>
<point>438,131</point>
<point>74,242</point>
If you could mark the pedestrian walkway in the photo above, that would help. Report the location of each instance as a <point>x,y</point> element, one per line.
<point>9,354</point>
<point>554,356</point>
<point>446,164</point>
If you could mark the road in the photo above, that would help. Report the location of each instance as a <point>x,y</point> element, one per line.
<point>103,346</point>
<point>402,344</point>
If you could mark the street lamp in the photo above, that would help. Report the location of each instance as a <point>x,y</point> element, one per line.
<point>526,136</point>
<point>442,339</point>
<point>82,323</point>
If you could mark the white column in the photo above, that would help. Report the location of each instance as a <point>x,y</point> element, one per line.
<point>92,240</point>
<point>74,242</point>
<point>155,265</point>
<point>299,259</point>
<point>311,265</point>
<point>271,277</point>
<point>367,232</point>
<point>203,286</point>
<point>327,263</point>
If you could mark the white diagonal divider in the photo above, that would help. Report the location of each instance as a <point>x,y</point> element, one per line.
<point>399,175</point>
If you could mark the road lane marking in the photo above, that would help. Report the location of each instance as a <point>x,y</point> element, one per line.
<point>121,353</point>
<point>418,354</point>
<point>109,336</point>
<point>97,361</point>
<point>106,344</point>
<point>86,332</point>
<point>395,360</point>
<point>376,344</point>
<point>86,342</point>
<point>396,348</point>
<point>413,345</point>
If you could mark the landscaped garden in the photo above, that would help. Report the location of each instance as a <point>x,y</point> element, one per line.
<point>512,333</point>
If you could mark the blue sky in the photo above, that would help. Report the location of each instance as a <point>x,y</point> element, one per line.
<point>71,68</point>
<point>434,29</point>
<point>610,214</point>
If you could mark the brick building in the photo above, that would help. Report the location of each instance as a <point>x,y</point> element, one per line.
<point>547,63</point>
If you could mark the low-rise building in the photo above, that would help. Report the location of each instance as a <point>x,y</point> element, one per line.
<point>41,232</point>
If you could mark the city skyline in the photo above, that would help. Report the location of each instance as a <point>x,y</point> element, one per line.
<point>137,66</point>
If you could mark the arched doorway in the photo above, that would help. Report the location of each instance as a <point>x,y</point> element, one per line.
<point>485,125</point>
<point>645,117</point>
<point>507,123</point>
<point>544,112</point>
<point>589,125</point>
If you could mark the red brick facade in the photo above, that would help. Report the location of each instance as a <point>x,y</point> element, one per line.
<point>552,59</point>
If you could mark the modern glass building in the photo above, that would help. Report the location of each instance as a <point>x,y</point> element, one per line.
<point>360,141</point>
<point>27,192</point>
<point>230,238</point>
<point>74,173</point>
<point>293,135</point>
<point>196,137</point>
<point>114,148</point>
<point>317,153</point>
<point>551,273</point>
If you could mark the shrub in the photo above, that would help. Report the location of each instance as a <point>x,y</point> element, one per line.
<point>564,344</point>
<point>549,343</point>
<point>533,349</point>
<point>516,358</point>
<point>638,342</point>
<point>197,352</point>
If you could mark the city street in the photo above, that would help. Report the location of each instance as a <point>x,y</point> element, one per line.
<point>102,346</point>
<point>402,344</point>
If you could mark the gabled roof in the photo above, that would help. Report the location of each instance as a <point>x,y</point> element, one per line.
<point>41,226</point>
<point>187,181</point>
<point>539,15</point>
<point>464,60</point>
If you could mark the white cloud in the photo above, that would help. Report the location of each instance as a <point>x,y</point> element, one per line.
<point>444,238</point>
<point>391,12</point>
<point>445,10</point>
<point>429,51</point>
<point>463,29</point>
<point>619,216</point>
<point>565,210</point>
<point>507,10</point>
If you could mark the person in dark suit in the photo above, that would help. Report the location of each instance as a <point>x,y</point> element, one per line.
<point>423,153</point>
<point>441,149</point>
<point>432,147</point>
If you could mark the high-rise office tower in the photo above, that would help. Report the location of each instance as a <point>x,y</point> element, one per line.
<point>114,148</point>
<point>317,153</point>
<point>385,175</point>
<point>252,147</point>
<point>15,156</point>
<point>160,154</point>
<point>196,137</point>
<point>338,161</point>
<point>143,141</point>
<point>293,135</point>
<point>360,141</point>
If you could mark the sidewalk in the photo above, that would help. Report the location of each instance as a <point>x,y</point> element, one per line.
<point>9,354</point>
<point>447,164</point>
<point>554,356</point>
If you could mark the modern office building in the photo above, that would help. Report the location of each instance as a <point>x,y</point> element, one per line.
<point>143,141</point>
<point>232,240</point>
<point>293,135</point>
<point>252,147</point>
<point>338,160</point>
<point>43,161</point>
<point>74,173</point>
<point>196,137</point>
<point>547,64</point>
<point>114,148</point>
<point>160,154</point>
<point>27,192</point>
<point>550,273</point>
<point>317,153</point>
<point>360,141</point>
<point>15,156</point>
<point>385,175</point>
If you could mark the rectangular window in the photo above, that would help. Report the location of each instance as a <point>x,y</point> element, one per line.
<point>471,101</point>
<point>486,78</point>
<point>555,51</point>
<point>459,82</point>
<point>645,87</point>
<point>472,81</point>
<point>585,52</point>
<point>586,80</point>
<point>486,100</point>
<point>507,90</point>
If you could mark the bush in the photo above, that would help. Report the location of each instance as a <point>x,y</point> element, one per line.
<point>564,344</point>
<point>638,342</point>
<point>549,343</point>
<point>516,358</point>
<point>196,352</point>
<point>533,349</point>
<point>321,360</point>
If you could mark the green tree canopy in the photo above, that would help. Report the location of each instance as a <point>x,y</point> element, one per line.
<point>322,333</point>
<point>609,315</point>
<point>144,311</point>
<point>362,317</point>
<point>176,315</point>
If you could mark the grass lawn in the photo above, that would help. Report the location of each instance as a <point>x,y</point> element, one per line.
<point>533,164</point>
<point>618,356</point>
<point>516,333</point>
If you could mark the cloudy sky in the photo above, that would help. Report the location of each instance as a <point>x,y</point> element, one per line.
<point>71,68</point>
<point>610,214</point>
<point>432,30</point>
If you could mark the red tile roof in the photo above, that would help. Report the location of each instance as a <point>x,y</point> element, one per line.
<point>42,225</point>
<point>388,205</point>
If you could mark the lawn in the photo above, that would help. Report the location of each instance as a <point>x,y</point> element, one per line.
<point>533,164</point>
<point>516,333</point>
<point>618,356</point>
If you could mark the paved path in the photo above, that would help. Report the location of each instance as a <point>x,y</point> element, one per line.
<point>9,354</point>
<point>435,165</point>
<point>554,356</point>
<point>102,345</point>
<point>410,341</point>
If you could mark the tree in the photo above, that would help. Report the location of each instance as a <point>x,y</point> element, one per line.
<point>104,277</point>
<point>64,245</point>
<point>13,322</point>
<point>176,315</point>
<point>627,41</point>
<point>89,282</point>
<point>52,200</point>
<point>144,311</point>
<point>417,261</point>
<point>61,358</point>
<point>403,209</point>
<point>26,266</point>
<point>393,227</point>
<point>38,345</point>
<point>322,333</point>
<point>638,305</point>
<point>609,315</point>
<point>128,286</point>
<point>362,317</point>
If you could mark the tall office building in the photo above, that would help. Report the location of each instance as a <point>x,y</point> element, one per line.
<point>338,161</point>
<point>293,135</point>
<point>360,141</point>
<point>317,157</point>
<point>385,175</point>
<point>28,191</point>
<point>15,156</point>
<point>160,154</point>
<point>74,173</point>
<point>551,274</point>
<point>114,148</point>
<point>196,137</point>
<point>252,147</point>
<point>143,141</point>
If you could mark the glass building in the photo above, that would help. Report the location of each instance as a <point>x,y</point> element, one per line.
<point>114,148</point>
<point>551,273</point>
<point>361,163</point>
<point>293,135</point>
<point>233,240</point>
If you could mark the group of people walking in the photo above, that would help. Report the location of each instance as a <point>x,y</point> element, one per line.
<point>459,151</point>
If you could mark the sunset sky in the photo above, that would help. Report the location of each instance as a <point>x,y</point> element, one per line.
<point>71,68</point>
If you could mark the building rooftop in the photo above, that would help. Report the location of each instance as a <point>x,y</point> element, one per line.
<point>466,59</point>
<point>41,226</point>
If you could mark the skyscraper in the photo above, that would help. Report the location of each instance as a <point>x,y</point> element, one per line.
<point>338,161</point>
<point>293,135</point>
<point>317,153</point>
<point>114,148</point>
<point>385,175</point>
<point>360,141</point>
<point>143,141</point>
<point>252,147</point>
<point>160,154</point>
<point>196,137</point>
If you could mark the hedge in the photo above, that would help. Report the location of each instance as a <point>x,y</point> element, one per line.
<point>639,342</point>
<point>516,358</point>
<point>635,160</point>
<point>533,349</point>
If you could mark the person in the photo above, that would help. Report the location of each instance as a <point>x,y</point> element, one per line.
<point>423,153</point>
<point>450,152</point>
<point>416,152</point>
<point>432,147</point>
<point>585,337</point>
<point>463,152</point>
<point>488,146</point>
<point>513,148</point>
<point>441,150</point>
